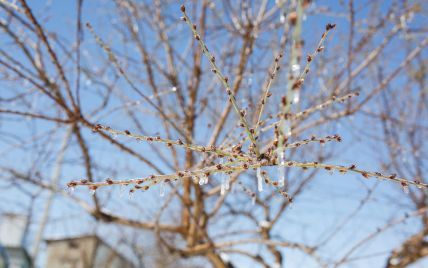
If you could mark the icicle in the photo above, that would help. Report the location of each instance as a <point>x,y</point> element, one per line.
<point>227,183</point>
<point>70,190</point>
<point>281,168</point>
<point>130,193</point>
<point>253,200</point>
<point>121,190</point>
<point>222,188</point>
<point>92,191</point>
<point>259,180</point>
<point>162,189</point>
<point>225,180</point>
<point>405,187</point>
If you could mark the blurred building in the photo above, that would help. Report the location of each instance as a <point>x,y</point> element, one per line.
<point>83,252</point>
<point>13,229</point>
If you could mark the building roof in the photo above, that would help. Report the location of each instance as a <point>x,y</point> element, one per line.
<point>88,236</point>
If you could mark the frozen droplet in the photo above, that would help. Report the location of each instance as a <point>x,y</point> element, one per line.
<point>135,27</point>
<point>131,192</point>
<point>281,168</point>
<point>174,89</point>
<point>259,180</point>
<point>114,136</point>
<point>92,191</point>
<point>282,18</point>
<point>162,189</point>
<point>203,179</point>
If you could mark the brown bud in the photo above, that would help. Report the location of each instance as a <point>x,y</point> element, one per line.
<point>329,26</point>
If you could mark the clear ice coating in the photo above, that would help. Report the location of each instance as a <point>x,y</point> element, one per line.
<point>295,70</point>
<point>296,96</point>
<point>259,180</point>
<point>287,128</point>
<point>281,168</point>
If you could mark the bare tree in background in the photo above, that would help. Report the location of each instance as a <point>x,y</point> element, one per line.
<point>218,113</point>
<point>402,127</point>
